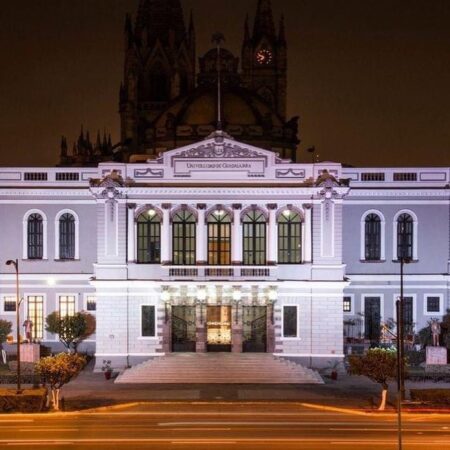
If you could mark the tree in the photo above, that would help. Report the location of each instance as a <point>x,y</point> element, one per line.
<point>56,371</point>
<point>379,365</point>
<point>71,329</point>
<point>5,330</point>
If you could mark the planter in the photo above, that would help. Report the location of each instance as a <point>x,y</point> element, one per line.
<point>107,375</point>
<point>334,375</point>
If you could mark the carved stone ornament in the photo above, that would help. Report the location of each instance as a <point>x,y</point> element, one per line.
<point>220,151</point>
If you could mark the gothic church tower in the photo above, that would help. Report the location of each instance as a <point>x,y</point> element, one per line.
<point>159,67</point>
<point>264,58</point>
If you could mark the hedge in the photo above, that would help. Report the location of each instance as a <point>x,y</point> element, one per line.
<point>438,396</point>
<point>28,401</point>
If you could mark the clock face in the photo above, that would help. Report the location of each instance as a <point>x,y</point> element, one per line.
<point>264,56</point>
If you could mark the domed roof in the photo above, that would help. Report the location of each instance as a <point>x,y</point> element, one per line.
<point>240,107</point>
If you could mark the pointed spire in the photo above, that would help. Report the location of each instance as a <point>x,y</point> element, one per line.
<point>282,32</point>
<point>128,31</point>
<point>63,147</point>
<point>264,24</point>
<point>246,30</point>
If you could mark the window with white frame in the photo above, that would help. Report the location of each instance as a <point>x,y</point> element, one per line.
<point>66,305</point>
<point>67,235</point>
<point>347,304</point>
<point>147,320</point>
<point>433,304</point>
<point>34,235</point>
<point>9,304</point>
<point>290,321</point>
<point>405,235</point>
<point>91,303</point>
<point>35,314</point>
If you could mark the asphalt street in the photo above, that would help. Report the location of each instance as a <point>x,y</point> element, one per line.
<point>236,425</point>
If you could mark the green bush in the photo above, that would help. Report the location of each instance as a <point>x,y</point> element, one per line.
<point>414,358</point>
<point>438,396</point>
<point>5,330</point>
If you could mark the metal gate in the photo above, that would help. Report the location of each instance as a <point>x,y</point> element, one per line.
<point>254,329</point>
<point>183,329</point>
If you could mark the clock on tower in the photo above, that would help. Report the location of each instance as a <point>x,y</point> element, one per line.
<point>264,56</point>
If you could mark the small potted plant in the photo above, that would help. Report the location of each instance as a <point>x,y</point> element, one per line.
<point>334,370</point>
<point>107,369</point>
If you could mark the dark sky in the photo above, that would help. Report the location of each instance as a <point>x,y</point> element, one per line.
<point>370,79</point>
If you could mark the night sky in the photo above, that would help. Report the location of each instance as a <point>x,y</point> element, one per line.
<point>370,79</point>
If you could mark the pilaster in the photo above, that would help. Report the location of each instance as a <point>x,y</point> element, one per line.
<point>236,236</point>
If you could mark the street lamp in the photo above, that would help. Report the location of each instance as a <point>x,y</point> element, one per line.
<point>399,305</point>
<point>15,263</point>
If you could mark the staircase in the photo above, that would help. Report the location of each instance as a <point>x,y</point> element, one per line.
<point>236,368</point>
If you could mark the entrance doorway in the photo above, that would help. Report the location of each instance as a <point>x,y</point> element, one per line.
<point>254,329</point>
<point>183,328</point>
<point>218,334</point>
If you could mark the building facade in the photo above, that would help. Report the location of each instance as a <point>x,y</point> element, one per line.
<point>222,246</point>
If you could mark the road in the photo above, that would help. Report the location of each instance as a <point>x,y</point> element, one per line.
<point>222,426</point>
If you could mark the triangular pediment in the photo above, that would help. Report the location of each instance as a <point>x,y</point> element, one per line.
<point>219,145</point>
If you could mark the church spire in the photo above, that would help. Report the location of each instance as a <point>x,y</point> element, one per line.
<point>264,25</point>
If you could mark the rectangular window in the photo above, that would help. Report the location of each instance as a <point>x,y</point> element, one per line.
<point>147,321</point>
<point>372,176</point>
<point>66,305</point>
<point>67,176</point>
<point>433,304</point>
<point>36,316</point>
<point>9,304</point>
<point>35,176</point>
<point>91,303</point>
<point>347,304</point>
<point>405,176</point>
<point>290,324</point>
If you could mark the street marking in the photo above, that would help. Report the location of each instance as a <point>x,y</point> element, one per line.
<point>47,429</point>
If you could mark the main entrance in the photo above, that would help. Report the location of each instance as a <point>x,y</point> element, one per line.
<point>218,333</point>
<point>183,329</point>
<point>254,329</point>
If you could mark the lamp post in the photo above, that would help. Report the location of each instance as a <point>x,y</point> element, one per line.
<point>399,306</point>
<point>15,263</point>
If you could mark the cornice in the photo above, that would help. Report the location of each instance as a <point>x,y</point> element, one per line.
<point>398,193</point>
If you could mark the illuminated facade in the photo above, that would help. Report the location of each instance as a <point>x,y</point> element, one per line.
<point>221,246</point>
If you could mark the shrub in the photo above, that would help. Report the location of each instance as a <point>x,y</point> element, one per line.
<point>56,371</point>
<point>379,365</point>
<point>28,401</point>
<point>71,330</point>
<point>440,396</point>
<point>5,330</point>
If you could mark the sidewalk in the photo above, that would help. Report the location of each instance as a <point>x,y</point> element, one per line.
<point>91,390</point>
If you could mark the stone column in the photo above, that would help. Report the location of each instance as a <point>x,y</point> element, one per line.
<point>200,245</point>
<point>307,253</point>
<point>272,244</point>
<point>131,233</point>
<point>166,241</point>
<point>236,236</point>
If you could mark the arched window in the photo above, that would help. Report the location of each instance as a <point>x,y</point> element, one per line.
<point>183,238</point>
<point>254,238</point>
<point>219,238</point>
<point>405,231</point>
<point>149,238</point>
<point>372,240</point>
<point>289,238</point>
<point>67,236</point>
<point>35,236</point>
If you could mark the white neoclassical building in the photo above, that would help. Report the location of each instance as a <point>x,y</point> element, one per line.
<point>225,247</point>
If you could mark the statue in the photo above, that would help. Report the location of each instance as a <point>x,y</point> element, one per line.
<point>28,326</point>
<point>435,331</point>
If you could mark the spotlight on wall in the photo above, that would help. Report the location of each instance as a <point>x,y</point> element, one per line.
<point>237,295</point>
<point>51,281</point>
<point>151,212</point>
<point>287,212</point>
<point>165,295</point>
<point>273,294</point>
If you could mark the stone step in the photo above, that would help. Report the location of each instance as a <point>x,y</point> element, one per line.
<point>225,368</point>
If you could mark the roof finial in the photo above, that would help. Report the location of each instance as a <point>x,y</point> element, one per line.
<point>217,39</point>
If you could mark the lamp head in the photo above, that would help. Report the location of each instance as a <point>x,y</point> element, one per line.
<point>11,262</point>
